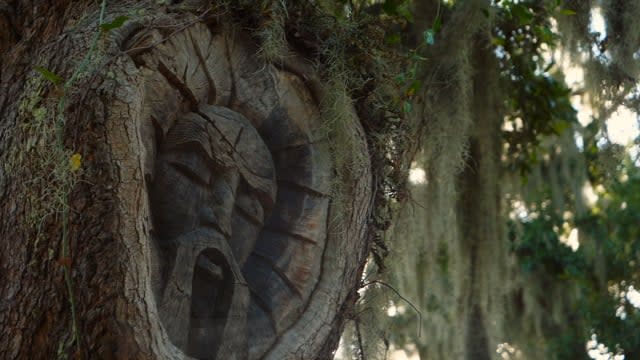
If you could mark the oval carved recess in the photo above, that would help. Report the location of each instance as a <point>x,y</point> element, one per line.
<point>247,261</point>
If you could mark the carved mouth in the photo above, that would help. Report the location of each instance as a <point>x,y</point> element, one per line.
<point>207,266</point>
<point>212,293</point>
<point>198,294</point>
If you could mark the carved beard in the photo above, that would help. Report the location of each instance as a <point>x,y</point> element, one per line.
<point>214,185</point>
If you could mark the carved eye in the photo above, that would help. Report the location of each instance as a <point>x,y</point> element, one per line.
<point>189,173</point>
<point>192,166</point>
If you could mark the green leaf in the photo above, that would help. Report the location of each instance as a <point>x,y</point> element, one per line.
<point>560,126</point>
<point>437,24</point>
<point>412,71</point>
<point>429,37</point>
<point>390,7</point>
<point>393,39</point>
<point>116,23</point>
<point>416,57</point>
<point>49,75</point>
<point>403,10</point>
<point>568,12</point>
<point>497,41</point>
<point>525,16</point>
<point>413,88</point>
<point>407,107</point>
<point>545,34</point>
<point>398,8</point>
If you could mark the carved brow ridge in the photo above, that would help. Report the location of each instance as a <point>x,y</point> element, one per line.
<point>232,143</point>
<point>195,132</point>
<point>192,144</point>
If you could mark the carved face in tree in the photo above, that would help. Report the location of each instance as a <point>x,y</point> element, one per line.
<point>214,185</point>
<point>211,168</point>
<point>239,185</point>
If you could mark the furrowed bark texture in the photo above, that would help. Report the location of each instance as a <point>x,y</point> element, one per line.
<point>130,114</point>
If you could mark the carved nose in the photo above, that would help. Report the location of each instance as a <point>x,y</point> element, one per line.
<point>211,218</point>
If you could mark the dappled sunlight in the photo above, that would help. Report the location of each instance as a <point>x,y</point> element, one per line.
<point>622,126</point>
<point>417,176</point>
<point>625,295</point>
<point>394,310</point>
<point>508,351</point>
<point>559,188</point>
<point>571,240</point>
<point>633,296</point>
<point>589,194</point>
<point>518,210</point>
<point>599,351</point>
<point>597,24</point>
<point>400,354</point>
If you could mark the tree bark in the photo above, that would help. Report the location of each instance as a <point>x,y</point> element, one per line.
<point>82,273</point>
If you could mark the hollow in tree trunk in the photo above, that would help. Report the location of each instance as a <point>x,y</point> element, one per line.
<point>166,193</point>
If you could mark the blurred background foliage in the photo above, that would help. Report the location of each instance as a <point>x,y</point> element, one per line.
<point>509,221</point>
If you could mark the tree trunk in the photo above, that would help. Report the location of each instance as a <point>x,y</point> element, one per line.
<point>170,195</point>
<point>479,211</point>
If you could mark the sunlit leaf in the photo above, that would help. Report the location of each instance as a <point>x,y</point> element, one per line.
<point>497,41</point>
<point>49,75</point>
<point>75,162</point>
